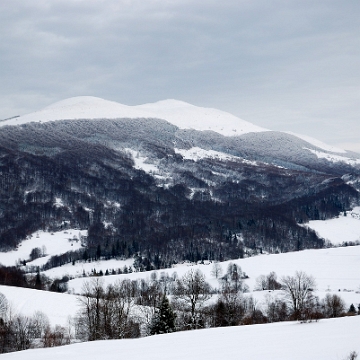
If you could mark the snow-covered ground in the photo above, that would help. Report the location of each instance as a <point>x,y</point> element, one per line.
<point>331,339</point>
<point>336,270</point>
<point>334,158</point>
<point>142,162</point>
<point>80,268</point>
<point>51,243</point>
<point>187,116</point>
<point>339,230</point>
<point>58,307</point>
<point>196,153</point>
<point>318,143</point>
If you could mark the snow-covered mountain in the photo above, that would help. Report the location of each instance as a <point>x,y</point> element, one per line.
<point>91,187</point>
<point>176,175</point>
<point>178,113</point>
<point>187,117</point>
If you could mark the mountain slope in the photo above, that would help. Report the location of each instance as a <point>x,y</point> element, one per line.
<point>164,190</point>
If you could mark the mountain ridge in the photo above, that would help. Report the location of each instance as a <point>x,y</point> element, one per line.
<point>88,107</point>
<point>179,113</point>
<point>181,194</point>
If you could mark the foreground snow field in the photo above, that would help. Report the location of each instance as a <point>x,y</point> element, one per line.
<point>330,339</point>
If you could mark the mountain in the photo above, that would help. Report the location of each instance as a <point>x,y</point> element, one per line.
<point>178,113</point>
<point>166,182</point>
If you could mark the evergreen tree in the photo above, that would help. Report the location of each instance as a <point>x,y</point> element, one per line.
<point>164,319</point>
<point>352,309</point>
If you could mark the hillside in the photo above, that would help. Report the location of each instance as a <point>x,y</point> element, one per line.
<point>335,271</point>
<point>152,181</point>
<point>326,340</point>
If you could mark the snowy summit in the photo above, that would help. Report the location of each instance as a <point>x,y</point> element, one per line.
<point>179,113</point>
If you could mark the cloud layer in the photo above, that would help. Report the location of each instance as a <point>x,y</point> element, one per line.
<point>284,65</point>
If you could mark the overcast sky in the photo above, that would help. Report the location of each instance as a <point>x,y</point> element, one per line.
<point>284,65</point>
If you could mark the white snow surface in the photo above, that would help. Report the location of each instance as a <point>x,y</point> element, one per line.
<point>334,158</point>
<point>81,107</point>
<point>331,339</point>
<point>142,162</point>
<point>179,113</point>
<point>334,269</point>
<point>58,307</point>
<point>80,268</point>
<point>55,244</point>
<point>317,143</point>
<point>196,153</point>
<point>187,116</point>
<point>339,230</point>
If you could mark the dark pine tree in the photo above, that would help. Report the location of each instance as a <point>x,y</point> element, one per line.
<point>352,309</point>
<point>164,319</point>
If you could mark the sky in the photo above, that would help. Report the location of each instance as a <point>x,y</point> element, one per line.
<point>286,65</point>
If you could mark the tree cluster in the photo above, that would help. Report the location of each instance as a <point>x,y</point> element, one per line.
<point>19,332</point>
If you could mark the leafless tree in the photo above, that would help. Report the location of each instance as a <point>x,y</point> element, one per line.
<point>267,282</point>
<point>334,305</point>
<point>54,337</point>
<point>106,314</point>
<point>192,291</point>
<point>352,356</point>
<point>276,309</point>
<point>216,270</point>
<point>93,293</point>
<point>39,324</point>
<point>298,291</point>
<point>4,306</point>
<point>21,333</point>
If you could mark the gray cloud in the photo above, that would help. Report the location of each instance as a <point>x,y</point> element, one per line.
<point>285,65</point>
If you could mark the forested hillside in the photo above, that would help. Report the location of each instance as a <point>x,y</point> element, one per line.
<point>145,187</point>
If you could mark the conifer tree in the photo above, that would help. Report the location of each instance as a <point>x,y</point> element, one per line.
<point>164,319</point>
<point>352,309</point>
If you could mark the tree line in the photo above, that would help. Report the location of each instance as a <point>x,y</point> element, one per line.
<point>168,304</point>
<point>164,304</point>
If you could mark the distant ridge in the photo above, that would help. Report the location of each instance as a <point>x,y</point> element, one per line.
<point>179,113</point>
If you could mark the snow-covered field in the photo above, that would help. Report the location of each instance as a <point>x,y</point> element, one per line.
<point>79,269</point>
<point>332,339</point>
<point>336,270</point>
<point>51,243</point>
<point>339,230</point>
<point>333,269</point>
<point>58,307</point>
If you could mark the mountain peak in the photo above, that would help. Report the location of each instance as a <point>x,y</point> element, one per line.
<point>179,113</point>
